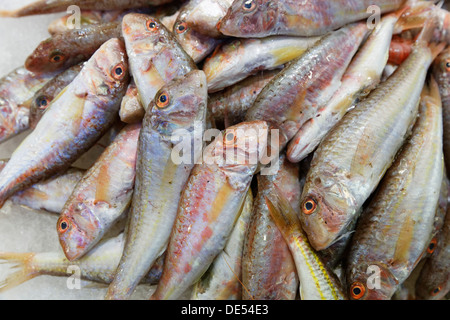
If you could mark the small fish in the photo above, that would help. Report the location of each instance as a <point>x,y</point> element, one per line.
<point>98,265</point>
<point>441,72</point>
<point>294,95</point>
<point>260,18</point>
<point>196,44</point>
<point>49,195</point>
<point>316,281</point>
<point>395,228</point>
<point>51,6</point>
<point>268,270</point>
<point>101,197</point>
<point>131,109</point>
<point>154,55</point>
<point>210,205</point>
<point>351,160</point>
<point>16,90</point>
<point>229,106</point>
<point>43,97</point>
<point>71,47</point>
<point>362,76</point>
<point>76,119</point>
<point>236,60</point>
<point>179,108</point>
<point>222,280</point>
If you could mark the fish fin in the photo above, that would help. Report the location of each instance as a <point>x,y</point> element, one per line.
<point>426,35</point>
<point>282,213</point>
<point>415,16</point>
<point>20,261</point>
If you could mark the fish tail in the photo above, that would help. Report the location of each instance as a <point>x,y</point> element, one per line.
<point>20,261</point>
<point>8,14</point>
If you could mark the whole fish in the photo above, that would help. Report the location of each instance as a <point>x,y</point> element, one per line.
<point>101,197</point>
<point>131,109</point>
<point>293,96</point>
<point>433,282</point>
<point>268,270</point>
<point>43,97</point>
<point>71,47</point>
<point>222,280</point>
<point>76,119</point>
<point>196,44</point>
<point>260,18</point>
<point>395,229</point>
<point>240,58</point>
<point>229,106</point>
<point>16,90</point>
<point>353,157</point>
<point>154,55</point>
<point>49,195</point>
<point>210,205</point>
<point>51,6</point>
<point>361,77</point>
<point>98,265</point>
<point>441,72</point>
<point>317,282</point>
<point>178,108</point>
<point>205,15</point>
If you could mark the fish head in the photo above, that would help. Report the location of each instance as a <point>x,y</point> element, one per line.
<point>371,281</point>
<point>238,150</point>
<point>78,228</point>
<point>249,18</point>
<point>47,57</point>
<point>441,66</point>
<point>432,284</point>
<point>327,207</point>
<point>179,106</point>
<point>109,69</point>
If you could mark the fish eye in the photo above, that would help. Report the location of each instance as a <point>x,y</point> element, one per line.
<point>435,291</point>
<point>249,5</point>
<point>357,290</point>
<point>432,246</point>
<point>118,72</point>
<point>63,225</point>
<point>57,57</point>
<point>151,25</point>
<point>447,65</point>
<point>309,206</point>
<point>162,101</point>
<point>42,102</point>
<point>181,27</point>
<point>230,138</point>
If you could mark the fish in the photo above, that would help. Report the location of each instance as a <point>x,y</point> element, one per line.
<point>229,106</point>
<point>352,159</point>
<point>234,61</point>
<point>205,15</point>
<point>268,269</point>
<point>177,112</point>
<point>154,55</point>
<point>196,44</point>
<point>52,6</point>
<point>210,204</point>
<point>16,90</point>
<point>361,77</point>
<point>131,109</point>
<point>76,119</point>
<point>433,282</point>
<point>49,195</point>
<point>441,72</point>
<point>222,280</point>
<point>395,228</point>
<point>293,96</point>
<point>44,96</point>
<point>71,47</point>
<point>259,18</point>
<point>317,282</point>
<point>101,197</point>
<point>98,265</point>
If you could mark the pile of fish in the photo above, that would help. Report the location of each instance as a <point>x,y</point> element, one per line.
<point>256,149</point>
